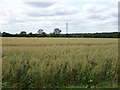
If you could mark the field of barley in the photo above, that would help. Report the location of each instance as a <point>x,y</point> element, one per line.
<point>59,62</point>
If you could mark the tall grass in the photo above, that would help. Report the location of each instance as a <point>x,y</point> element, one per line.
<point>57,62</point>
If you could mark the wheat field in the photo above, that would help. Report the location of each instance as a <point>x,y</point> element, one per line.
<point>59,62</point>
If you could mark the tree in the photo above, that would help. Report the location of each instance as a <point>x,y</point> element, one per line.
<point>44,34</point>
<point>57,31</point>
<point>4,34</point>
<point>40,31</point>
<point>30,34</point>
<point>23,33</point>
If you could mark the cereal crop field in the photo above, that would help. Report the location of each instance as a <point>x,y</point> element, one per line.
<point>59,62</point>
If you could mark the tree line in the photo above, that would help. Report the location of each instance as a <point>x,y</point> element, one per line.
<point>75,35</point>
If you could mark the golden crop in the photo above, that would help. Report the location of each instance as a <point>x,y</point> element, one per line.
<point>50,62</point>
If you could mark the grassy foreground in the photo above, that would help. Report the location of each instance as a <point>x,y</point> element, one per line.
<point>59,62</point>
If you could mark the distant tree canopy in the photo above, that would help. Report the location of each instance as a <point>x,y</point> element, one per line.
<point>57,31</point>
<point>43,34</point>
<point>4,34</point>
<point>23,33</point>
<point>75,35</point>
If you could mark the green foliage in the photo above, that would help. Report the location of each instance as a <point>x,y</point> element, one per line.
<point>42,35</point>
<point>73,35</point>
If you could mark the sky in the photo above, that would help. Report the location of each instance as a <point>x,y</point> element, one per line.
<point>82,16</point>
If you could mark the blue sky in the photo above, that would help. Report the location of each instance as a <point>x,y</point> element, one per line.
<point>83,16</point>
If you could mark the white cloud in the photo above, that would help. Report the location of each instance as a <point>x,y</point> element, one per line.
<point>40,4</point>
<point>48,14</point>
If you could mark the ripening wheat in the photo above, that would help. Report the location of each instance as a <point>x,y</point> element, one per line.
<point>56,62</point>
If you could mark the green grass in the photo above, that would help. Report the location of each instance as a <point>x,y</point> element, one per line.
<point>60,62</point>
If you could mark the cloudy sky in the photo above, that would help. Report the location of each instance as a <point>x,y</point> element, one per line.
<point>82,15</point>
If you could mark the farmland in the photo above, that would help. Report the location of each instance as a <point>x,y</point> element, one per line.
<point>59,62</point>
